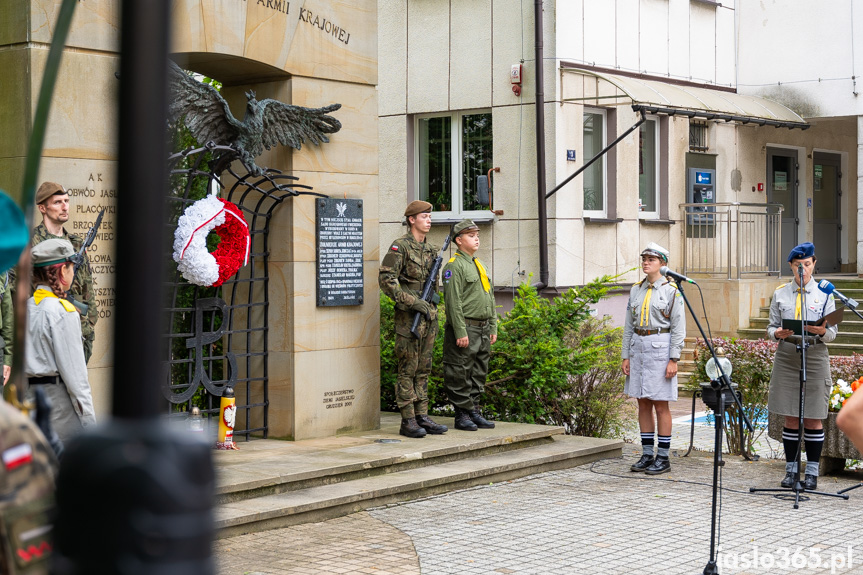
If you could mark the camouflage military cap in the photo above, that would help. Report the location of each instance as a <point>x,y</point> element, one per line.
<point>463,227</point>
<point>418,207</point>
<point>48,189</point>
<point>654,249</point>
<point>50,252</point>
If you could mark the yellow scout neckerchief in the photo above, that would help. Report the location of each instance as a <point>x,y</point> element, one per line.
<point>483,276</point>
<point>644,321</point>
<point>41,294</point>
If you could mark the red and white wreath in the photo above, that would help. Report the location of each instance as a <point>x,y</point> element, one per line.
<point>195,263</point>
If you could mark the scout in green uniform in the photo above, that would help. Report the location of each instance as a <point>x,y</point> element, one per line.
<point>53,202</point>
<point>5,326</point>
<point>404,271</point>
<point>471,328</point>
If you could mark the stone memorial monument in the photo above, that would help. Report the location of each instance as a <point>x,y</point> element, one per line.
<point>308,53</point>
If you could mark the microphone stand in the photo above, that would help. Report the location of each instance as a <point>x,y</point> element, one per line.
<point>804,344</point>
<point>722,385</point>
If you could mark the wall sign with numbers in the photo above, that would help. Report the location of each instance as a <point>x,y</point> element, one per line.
<point>339,224</point>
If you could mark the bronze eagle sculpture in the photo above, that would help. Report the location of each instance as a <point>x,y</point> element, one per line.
<point>266,124</point>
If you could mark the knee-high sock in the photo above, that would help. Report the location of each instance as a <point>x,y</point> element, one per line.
<point>647,442</point>
<point>663,445</point>
<point>791,442</point>
<point>814,439</point>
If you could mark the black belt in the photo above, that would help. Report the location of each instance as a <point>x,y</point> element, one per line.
<point>45,379</point>
<point>653,331</point>
<point>475,322</point>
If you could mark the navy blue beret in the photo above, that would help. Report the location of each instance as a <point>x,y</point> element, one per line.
<point>803,251</point>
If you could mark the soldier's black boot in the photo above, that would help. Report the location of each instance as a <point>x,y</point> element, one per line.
<point>463,421</point>
<point>430,426</point>
<point>660,465</point>
<point>410,428</point>
<point>642,464</point>
<point>479,420</point>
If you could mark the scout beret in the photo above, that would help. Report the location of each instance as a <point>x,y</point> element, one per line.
<point>462,227</point>
<point>50,252</point>
<point>654,249</point>
<point>48,189</point>
<point>14,235</point>
<point>418,207</point>
<point>801,252</point>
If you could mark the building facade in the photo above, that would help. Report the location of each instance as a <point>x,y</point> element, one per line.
<point>449,113</point>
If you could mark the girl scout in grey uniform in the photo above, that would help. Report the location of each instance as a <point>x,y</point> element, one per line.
<point>652,341</point>
<point>54,350</point>
<point>784,395</point>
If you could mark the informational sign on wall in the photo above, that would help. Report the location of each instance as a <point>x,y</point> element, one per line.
<point>339,225</point>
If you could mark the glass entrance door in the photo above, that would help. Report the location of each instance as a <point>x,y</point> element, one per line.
<point>826,192</point>
<point>782,189</point>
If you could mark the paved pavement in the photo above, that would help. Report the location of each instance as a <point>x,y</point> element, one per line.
<point>594,519</point>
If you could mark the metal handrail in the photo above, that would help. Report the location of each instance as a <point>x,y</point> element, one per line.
<point>755,227</point>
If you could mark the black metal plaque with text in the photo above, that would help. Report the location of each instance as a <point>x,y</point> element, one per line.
<point>339,224</point>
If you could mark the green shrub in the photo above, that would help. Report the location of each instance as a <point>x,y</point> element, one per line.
<point>752,363</point>
<point>552,364</point>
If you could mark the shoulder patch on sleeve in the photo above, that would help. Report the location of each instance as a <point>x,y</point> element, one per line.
<point>447,274</point>
<point>67,305</point>
<point>394,248</point>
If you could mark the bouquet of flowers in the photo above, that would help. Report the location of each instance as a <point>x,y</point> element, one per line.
<point>841,391</point>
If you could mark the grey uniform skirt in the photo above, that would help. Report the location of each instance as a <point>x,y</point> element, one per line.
<point>784,395</point>
<point>648,358</point>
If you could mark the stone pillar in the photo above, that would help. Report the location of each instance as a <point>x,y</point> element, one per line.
<point>81,137</point>
<point>306,52</point>
<point>860,196</point>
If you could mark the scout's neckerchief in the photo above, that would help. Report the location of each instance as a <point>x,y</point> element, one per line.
<point>483,276</point>
<point>41,294</point>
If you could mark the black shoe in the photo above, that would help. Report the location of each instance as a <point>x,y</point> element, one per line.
<point>430,426</point>
<point>660,465</point>
<point>463,421</point>
<point>810,483</point>
<point>643,463</point>
<point>479,420</point>
<point>788,481</point>
<point>410,428</point>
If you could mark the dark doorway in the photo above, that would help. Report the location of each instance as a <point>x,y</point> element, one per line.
<point>826,195</point>
<point>782,189</point>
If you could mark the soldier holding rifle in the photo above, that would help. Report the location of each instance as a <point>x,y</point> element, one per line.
<point>52,200</point>
<point>406,268</point>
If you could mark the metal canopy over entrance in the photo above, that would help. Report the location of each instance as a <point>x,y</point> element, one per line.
<point>659,97</point>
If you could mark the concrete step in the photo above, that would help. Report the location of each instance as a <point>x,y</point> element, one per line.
<point>322,502</point>
<point>848,325</point>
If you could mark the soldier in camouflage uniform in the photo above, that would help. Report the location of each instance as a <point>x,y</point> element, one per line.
<point>404,271</point>
<point>53,202</point>
<point>27,472</point>
<point>6,333</point>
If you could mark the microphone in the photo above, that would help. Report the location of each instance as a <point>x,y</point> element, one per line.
<point>674,275</point>
<point>829,288</point>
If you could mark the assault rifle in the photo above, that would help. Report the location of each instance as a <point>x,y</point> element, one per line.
<point>78,260</point>
<point>429,293</point>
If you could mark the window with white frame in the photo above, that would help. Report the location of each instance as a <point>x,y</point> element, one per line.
<point>452,149</point>
<point>595,181</point>
<point>648,169</point>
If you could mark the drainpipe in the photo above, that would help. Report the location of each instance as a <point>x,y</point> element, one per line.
<point>540,151</point>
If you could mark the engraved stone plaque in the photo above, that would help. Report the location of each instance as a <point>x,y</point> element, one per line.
<point>339,227</point>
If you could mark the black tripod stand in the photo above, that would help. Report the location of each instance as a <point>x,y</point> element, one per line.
<point>722,387</point>
<point>797,487</point>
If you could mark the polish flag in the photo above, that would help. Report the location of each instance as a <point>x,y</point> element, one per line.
<point>17,456</point>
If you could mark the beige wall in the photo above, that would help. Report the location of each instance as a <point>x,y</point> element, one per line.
<point>307,52</point>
